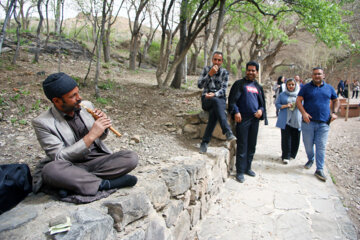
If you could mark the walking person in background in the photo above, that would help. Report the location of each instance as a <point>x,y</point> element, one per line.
<point>279,89</point>
<point>289,121</point>
<point>313,102</point>
<point>346,89</point>
<point>356,88</point>
<point>214,79</point>
<point>247,105</point>
<point>299,81</point>
<point>340,88</point>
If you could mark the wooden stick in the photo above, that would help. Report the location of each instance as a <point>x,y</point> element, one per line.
<point>96,117</point>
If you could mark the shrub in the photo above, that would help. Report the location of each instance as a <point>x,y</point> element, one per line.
<point>154,51</point>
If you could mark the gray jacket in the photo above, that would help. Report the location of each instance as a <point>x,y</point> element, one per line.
<point>58,141</point>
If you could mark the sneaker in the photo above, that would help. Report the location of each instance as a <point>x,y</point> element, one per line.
<point>308,164</point>
<point>320,175</point>
<point>251,173</point>
<point>230,136</point>
<point>285,161</point>
<point>240,177</point>
<point>203,147</point>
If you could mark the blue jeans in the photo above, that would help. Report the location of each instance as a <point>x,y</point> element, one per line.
<point>315,133</point>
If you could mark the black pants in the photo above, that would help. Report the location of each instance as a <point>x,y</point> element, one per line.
<point>246,134</point>
<point>216,108</point>
<point>355,92</point>
<point>290,140</point>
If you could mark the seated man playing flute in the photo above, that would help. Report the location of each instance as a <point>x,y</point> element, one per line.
<point>72,139</point>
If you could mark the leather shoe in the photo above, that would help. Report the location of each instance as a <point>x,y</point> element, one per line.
<point>240,177</point>
<point>308,164</point>
<point>203,147</point>
<point>320,175</point>
<point>230,136</point>
<point>251,173</point>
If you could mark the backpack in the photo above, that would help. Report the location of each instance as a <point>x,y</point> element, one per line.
<point>15,185</point>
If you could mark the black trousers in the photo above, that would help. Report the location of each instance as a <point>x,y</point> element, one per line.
<point>216,108</point>
<point>246,134</point>
<point>290,140</point>
<point>355,92</point>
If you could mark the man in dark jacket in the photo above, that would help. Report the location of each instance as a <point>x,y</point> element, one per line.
<point>247,105</point>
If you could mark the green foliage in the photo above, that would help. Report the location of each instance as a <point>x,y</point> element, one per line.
<point>324,19</point>
<point>106,65</point>
<point>103,101</point>
<point>77,79</point>
<point>36,105</point>
<point>15,98</point>
<point>22,109</point>
<point>188,84</point>
<point>154,51</point>
<point>22,122</point>
<point>10,67</point>
<point>25,92</point>
<point>321,17</point>
<point>2,101</point>
<point>195,111</point>
<point>108,85</point>
<point>233,69</point>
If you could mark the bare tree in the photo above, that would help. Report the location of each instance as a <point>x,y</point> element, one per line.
<point>166,39</point>
<point>197,22</point>
<point>135,30</point>
<point>219,26</point>
<point>110,21</point>
<point>9,12</point>
<point>179,73</point>
<point>148,35</point>
<point>38,31</point>
<point>195,51</point>
<point>24,15</point>
<point>17,36</point>
<point>57,13</point>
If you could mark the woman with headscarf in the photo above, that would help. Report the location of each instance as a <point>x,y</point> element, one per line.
<point>289,120</point>
<point>280,87</point>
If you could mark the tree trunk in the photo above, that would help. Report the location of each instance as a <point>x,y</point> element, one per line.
<point>239,63</point>
<point>135,35</point>
<point>7,18</point>
<point>38,31</point>
<point>219,26</point>
<point>47,22</point>
<point>57,16</point>
<point>179,74</point>
<point>133,51</point>
<point>206,38</point>
<point>17,36</point>
<point>100,40</point>
<point>106,45</point>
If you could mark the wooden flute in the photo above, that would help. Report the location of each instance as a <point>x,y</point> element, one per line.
<point>96,117</point>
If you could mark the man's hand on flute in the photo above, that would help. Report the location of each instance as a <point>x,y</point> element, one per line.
<point>99,113</point>
<point>98,128</point>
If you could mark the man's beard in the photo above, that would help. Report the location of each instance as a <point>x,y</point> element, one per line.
<point>70,108</point>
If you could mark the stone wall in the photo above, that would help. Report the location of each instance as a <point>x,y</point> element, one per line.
<point>165,204</point>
